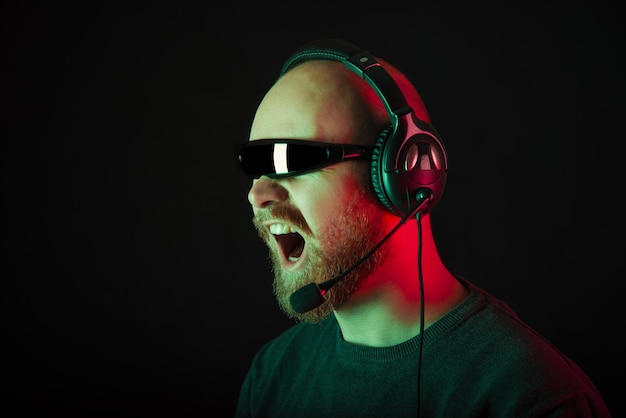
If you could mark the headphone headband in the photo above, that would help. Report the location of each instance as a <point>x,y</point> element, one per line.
<point>359,61</point>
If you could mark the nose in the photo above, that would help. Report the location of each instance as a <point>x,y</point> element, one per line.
<point>265,191</point>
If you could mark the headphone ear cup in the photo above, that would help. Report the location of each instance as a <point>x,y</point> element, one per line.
<point>422,164</point>
<point>377,182</point>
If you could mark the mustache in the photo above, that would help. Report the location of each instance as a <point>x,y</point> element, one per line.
<point>286,213</point>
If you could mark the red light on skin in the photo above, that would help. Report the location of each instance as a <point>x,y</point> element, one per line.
<point>400,282</point>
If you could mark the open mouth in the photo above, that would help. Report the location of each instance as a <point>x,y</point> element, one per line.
<point>290,242</point>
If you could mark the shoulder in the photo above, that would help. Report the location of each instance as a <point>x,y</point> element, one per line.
<point>496,337</point>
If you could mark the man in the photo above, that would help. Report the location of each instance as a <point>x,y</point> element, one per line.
<point>384,328</point>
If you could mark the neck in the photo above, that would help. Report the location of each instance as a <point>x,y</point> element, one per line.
<point>385,310</point>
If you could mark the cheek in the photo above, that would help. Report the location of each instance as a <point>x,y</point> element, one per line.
<point>325,203</point>
<point>320,206</point>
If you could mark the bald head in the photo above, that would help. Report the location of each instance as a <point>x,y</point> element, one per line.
<point>324,101</point>
<point>321,101</point>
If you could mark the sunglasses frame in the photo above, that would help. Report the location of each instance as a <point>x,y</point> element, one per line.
<point>335,153</point>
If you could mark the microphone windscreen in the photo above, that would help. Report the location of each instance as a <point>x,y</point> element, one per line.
<point>306,298</point>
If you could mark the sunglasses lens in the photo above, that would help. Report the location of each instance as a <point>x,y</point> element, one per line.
<point>255,161</point>
<point>280,158</point>
<point>303,157</point>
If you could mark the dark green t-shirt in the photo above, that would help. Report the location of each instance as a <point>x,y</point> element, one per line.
<point>479,360</point>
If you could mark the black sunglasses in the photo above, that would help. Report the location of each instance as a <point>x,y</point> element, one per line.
<point>291,157</point>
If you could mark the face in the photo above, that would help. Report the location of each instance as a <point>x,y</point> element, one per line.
<point>318,224</point>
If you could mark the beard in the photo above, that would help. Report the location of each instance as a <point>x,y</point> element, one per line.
<point>340,245</point>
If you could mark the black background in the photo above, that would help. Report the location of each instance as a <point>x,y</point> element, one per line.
<point>133,281</point>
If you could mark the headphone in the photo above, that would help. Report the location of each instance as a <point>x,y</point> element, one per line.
<point>408,156</point>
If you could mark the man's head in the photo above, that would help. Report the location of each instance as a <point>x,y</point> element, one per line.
<point>333,210</point>
<point>319,223</point>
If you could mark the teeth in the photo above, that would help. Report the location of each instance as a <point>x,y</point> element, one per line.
<point>280,229</point>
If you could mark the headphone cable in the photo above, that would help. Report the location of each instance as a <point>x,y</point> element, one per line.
<point>421,284</point>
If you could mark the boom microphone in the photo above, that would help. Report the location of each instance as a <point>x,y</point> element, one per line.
<point>311,296</point>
